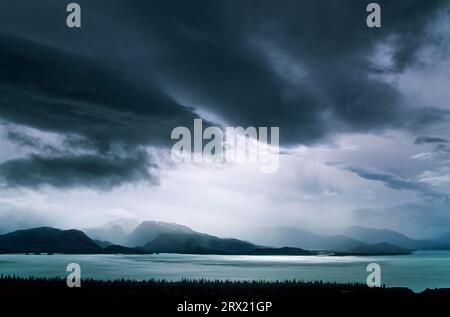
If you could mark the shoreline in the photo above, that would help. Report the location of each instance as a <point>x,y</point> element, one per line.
<point>313,253</point>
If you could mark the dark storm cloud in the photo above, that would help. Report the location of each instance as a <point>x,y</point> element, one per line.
<point>224,56</point>
<point>394,181</point>
<point>390,180</point>
<point>90,106</point>
<point>218,55</point>
<point>72,171</point>
<point>429,139</point>
<point>50,90</point>
<point>123,80</point>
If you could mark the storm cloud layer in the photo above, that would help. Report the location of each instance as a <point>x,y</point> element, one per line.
<point>135,71</point>
<point>86,114</point>
<point>104,119</point>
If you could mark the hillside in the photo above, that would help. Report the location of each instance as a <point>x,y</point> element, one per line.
<point>115,231</point>
<point>160,237</point>
<point>149,230</point>
<point>295,237</point>
<point>46,239</point>
<point>194,242</point>
<point>377,249</point>
<point>376,236</point>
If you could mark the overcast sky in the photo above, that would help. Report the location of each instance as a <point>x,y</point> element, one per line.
<point>364,113</point>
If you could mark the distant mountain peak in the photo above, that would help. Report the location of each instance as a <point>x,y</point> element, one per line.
<point>150,229</point>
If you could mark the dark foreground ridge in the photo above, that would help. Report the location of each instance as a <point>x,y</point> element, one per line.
<point>167,296</point>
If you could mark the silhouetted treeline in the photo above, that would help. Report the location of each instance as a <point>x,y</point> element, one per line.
<point>12,285</point>
<point>165,296</point>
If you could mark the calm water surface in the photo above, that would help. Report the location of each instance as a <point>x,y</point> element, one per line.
<point>421,270</point>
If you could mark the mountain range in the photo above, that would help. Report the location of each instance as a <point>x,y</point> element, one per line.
<point>114,232</point>
<point>148,237</point>
<point>340,239</point>
<point>131,236</point>
<point>370,235</point>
